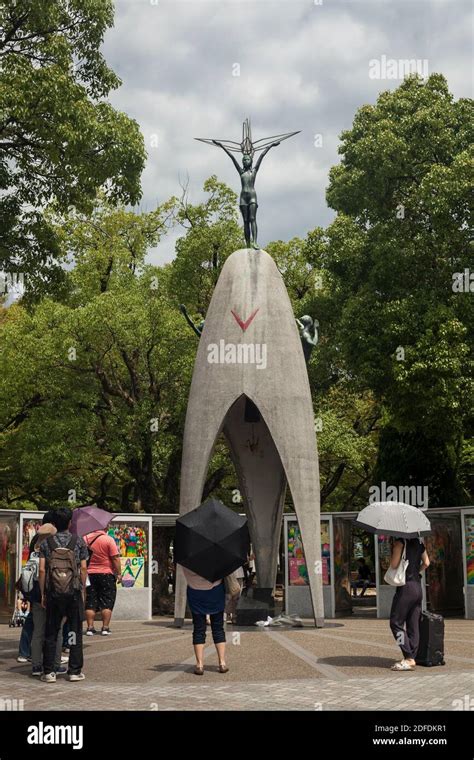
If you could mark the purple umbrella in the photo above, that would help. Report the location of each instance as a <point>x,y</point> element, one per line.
<point>87,519</point>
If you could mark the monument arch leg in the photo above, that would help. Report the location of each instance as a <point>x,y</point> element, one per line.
<point>262,484</point>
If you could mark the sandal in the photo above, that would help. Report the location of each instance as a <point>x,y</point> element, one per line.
<point>222,669</point>
<point>198,670</point>
<point>403,665</point>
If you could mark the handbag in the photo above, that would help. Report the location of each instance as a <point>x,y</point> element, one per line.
<point>395,576</point>
<point>232,586</point>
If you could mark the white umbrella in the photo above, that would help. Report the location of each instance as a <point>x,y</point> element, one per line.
<point>393,518</point>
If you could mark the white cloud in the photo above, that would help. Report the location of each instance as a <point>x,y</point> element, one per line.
<point>302,66</point>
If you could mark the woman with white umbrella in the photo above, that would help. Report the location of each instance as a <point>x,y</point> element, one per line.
<point>408,558</point>
<point>406,604</point>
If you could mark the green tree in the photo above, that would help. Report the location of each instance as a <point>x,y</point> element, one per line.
<point>211,234</point>
<point>401,235</point>
<point>346,417</point>
<point>60,140</point>
<point>95,371</point>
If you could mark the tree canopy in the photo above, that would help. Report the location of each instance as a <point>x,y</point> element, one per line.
<point>94,379</point>
<point>60,140</point>
<point>402,233</point>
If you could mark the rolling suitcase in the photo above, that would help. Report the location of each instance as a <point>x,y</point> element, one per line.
<point>431,647</point>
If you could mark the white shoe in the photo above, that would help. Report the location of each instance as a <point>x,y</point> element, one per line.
<point>64,659</point>
<point>106,631</point>
<point>403,665</point>
<point>76,677</point>
<point>22,659</point>
<point>91,632</point>
<point>48,677</point>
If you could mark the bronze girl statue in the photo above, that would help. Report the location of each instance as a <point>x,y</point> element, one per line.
<point>248,172</point>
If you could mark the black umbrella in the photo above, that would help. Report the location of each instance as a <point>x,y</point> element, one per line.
<point>212,540</point>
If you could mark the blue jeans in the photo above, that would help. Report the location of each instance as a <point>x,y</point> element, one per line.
<point>217,627</point>
<point>24,649</point>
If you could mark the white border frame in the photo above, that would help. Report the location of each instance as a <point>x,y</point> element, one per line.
<point>24,517</point>
<point>332,585</point>
<point>377,576</point>
<point>469,512</point>
<point>327,518</point>
<point>138,517</point>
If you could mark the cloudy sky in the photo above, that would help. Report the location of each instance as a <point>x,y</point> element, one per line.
<point>302,65</point>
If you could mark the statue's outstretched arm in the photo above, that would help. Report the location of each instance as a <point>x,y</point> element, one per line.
<point>315,338</point>
<point>231,156</point>
<point>263,154</point>
<point>190,322</point>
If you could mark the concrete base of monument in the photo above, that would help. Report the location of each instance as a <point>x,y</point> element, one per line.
<point>257,604</point>
<point>250,384</point>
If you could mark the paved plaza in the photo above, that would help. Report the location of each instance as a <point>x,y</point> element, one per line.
<point>345,666</point>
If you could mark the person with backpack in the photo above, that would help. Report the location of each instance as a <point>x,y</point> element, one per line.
<point>30,578</point>
<point>27,586</point>
<point>62,581</point>
<point>104,572</point>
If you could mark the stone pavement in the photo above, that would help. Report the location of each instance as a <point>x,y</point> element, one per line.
<point>148,666</point>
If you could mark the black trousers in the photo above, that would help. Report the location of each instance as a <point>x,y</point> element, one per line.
<point>217,627</point>
<point>405,617</point>
<point>73,610</point>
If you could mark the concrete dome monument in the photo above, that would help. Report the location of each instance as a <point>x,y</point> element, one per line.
<point>250,383</point>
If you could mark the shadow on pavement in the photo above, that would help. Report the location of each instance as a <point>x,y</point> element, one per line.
<point>357,661</point>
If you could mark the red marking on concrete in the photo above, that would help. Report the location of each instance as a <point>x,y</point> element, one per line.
<point>239,321</point>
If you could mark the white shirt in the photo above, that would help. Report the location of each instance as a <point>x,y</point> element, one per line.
<point>197,582</point>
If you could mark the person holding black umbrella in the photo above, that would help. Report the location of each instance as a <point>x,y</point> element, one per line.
<point>211,542</point>
<point>206,598</point>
